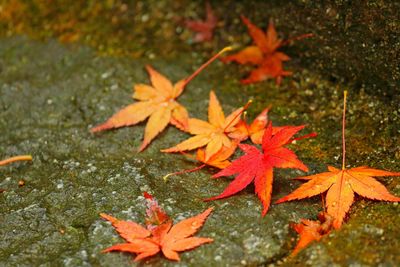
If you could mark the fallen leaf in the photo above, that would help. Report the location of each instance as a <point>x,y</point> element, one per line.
<point>165,237</point>
<point>271,68</point>
<point>156,102</point>
<point>341,184</point>
<point>263,54</point>
<point>258,166</point>
<point>15,159</point>
<point>203,28</point>
<point>130,231</point>
<point>180,236</point>
<point>218,160</point>
<point>255,130</point>
<point>213,134</point>
<point>126,229</point>
<point>310,231</point>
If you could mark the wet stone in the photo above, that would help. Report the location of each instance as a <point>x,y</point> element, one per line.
<point>52,94</point>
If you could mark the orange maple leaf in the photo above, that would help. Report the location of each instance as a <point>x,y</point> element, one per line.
<point>342,184</point>
<point>218,160</point>
<point>156,102</point>
<point>14,159</point>
<point>263,54</point>
<point>126,229</point>
<point>168,238</point>
<point>255,130</point>
<point>213,134</point>
<point>310,231</point>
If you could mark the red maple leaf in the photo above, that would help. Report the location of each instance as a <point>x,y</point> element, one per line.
<point>203,28</point>
<point>263,54</point>
<point>341,184</point>
<point>258,165</point>
<point>160,234</point>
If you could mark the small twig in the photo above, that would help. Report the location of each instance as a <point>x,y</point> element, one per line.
<point>307,35</point>
<point>343,130</point>
<point>16,158</point>
<point>165,178</point>
<point>237,115</point>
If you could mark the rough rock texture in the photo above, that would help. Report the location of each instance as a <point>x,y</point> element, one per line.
<point>51,94</point>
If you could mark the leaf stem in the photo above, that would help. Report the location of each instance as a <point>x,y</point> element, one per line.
<point>16,158</point>
<point>240,113</point>
<point>296,38</point>
<point>310,135</point>
<point>191,77</point>
<point>323,203</point>
<point>184,171</point>
<point>187,155</point>
<point>343,130</point>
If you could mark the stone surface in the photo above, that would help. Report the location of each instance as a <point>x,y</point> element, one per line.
<point>51,94</point>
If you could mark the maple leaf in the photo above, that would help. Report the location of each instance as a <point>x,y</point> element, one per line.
<point>213,134</point>
<point>165,237</point>
<point>203,29</point>
<point>263,54</point>
<point>255,130</point>
<point>258,165</point>
<point>128,230</point>
<point>15,159</point>
<point>341,184</point>
<point>270,68</point>
<point>310,231</point>
<point>218,160</point>
<point>156,102</point>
